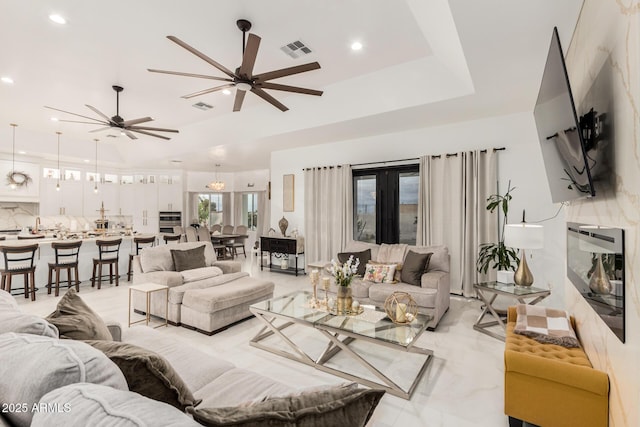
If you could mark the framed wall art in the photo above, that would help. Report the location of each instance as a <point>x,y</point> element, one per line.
<point>288,189</point>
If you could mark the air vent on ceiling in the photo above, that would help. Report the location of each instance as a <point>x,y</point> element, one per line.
<point>203,106</point>
<point>112,136</point>
<point>296,49</point>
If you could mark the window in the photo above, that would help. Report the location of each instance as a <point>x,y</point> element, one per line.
<point>385,204</point>
<point>250,210</point>
<point>210,208</point>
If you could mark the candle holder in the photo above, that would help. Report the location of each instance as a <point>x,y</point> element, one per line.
<point>315,278</point>
<point>326,283</point>
<point>401,308</point>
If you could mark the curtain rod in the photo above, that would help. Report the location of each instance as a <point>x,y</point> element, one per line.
<point>322,167</point>
<point>437,156</point>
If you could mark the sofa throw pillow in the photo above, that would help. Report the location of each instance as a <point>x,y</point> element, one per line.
<point>34,365</point>
<point>12,319</point>
<point>545,325</point>
<point>341,407</point>
<point>379,273</point>
<point>188,259</point>
<point>415,265</point>
<point>97,405</point>
<point>364,257</point>
<point>75,320</point>
<point>148,373</point>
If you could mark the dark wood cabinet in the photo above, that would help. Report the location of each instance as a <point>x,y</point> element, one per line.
<point>282,248</point>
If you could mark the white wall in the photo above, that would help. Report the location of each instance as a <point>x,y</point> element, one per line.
<point>521,163</point>
<point>607,37</point>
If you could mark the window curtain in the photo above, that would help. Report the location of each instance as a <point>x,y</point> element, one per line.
<point>328,208</point>
<point>237,208</point>
<point>452,210</point>
<point>264,214</point>
<point>227,217</point>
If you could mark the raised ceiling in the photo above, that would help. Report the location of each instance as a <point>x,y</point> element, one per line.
<point>423,63</point>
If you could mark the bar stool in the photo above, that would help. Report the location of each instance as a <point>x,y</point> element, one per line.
<point>141,243</point>
<point>171,238</point>
<point>66,254</point>
<point>108,251</point>
<point>19,260</point>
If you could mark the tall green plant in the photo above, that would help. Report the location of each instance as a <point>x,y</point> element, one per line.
<point>497,255</point>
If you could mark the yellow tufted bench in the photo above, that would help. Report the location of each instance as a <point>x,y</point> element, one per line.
<point>550,385</point>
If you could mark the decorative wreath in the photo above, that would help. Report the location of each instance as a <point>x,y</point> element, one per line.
<point>19,179</point>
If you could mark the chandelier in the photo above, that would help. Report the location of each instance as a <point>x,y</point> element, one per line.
<point>216,185</point>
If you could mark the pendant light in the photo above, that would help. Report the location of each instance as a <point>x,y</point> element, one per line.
<point>95,186</point>
<point>59,171</point>
<point>216,185</point>
<point>13,184</point>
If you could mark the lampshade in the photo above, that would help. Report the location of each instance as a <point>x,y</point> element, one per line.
<point>524,236</point>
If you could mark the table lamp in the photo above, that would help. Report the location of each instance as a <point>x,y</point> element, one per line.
<point>524,236</point>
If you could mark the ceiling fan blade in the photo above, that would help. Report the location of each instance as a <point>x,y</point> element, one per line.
<point>100,129</point>
<point>287,71</point>
<point>151,134</point>
<point>199,76</point>
<point>129,134</point>
<point>250,55</point>
<point>270,99</point>
<point>135,128</point>
<point>237,104</point>
<point>86,123</point>
<point>74,114</point>
<point>275,86</point>
<point>201,55</point>
<point>98,112</point>
<point>204,92</point>
<point>136,121</point>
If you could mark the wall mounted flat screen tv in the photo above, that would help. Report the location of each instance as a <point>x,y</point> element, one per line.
<point>559,131</point>
<point>595,266</point>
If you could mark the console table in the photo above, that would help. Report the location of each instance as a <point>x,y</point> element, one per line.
<point>284,248</point>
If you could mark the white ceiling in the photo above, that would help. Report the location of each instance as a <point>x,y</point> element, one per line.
<point>424,63</point>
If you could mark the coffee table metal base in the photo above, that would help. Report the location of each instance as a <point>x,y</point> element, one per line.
<point>338,341</point>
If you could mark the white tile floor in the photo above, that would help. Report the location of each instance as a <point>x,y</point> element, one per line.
<point>463,386</point>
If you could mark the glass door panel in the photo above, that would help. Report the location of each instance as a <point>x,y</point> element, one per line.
<point>364,221</point>
<point>408,206</point>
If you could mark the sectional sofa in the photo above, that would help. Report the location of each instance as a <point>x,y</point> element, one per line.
<point>143,377</point>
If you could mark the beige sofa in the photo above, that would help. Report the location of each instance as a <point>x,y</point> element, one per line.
<point>432,296</point>
<point>155,265</point>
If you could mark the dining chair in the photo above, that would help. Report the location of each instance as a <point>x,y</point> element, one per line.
<point>191,234</point>
<point>216,227</point>
<point>203,234</point>
<point>238,242</point>
<point>227,229</point>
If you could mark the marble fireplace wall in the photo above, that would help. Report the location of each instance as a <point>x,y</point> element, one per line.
<point>606,39</point>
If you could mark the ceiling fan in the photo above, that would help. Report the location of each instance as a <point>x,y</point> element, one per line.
<point>243,78</point>
<point>126,126</point>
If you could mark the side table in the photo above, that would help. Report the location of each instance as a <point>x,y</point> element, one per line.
<point>148,289</point>
<point>489,291</point>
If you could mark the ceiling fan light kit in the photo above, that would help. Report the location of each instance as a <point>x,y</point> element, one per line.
<point>127,127</point>
<point>243,79</point>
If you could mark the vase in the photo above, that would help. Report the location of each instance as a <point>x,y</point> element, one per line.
<point>345,300</point>
<point>599,282</point>
<point>283,224</point>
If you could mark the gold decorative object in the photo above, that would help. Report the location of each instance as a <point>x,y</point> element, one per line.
<point>345,300</point>
<point>315,279</point>
<point>401,308</point>
<point>600,283</point>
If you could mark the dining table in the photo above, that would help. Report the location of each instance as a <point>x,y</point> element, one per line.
<point>222,239</point>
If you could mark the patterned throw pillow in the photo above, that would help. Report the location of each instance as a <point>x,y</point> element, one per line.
<point>545,325</point>
<point>379,273</point>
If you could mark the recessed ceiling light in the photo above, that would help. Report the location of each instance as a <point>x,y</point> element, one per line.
<point>57,19</point>
<point>54,119</point>
<point>87,160</point>
<point>226,91</point>
<point>22,152</point>
<point>356,46</point>
<point>7,80</point>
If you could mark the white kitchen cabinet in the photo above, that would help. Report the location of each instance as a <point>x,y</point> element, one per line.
<point>170,197</point>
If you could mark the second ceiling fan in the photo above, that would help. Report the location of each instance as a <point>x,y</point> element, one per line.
<point>243,78</point>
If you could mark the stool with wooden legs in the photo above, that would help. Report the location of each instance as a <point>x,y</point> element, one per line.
<point>19,260</point>
<point>172,238</point>
<point>108,251</point>
<point>66,255</point>
<point>141,243</point>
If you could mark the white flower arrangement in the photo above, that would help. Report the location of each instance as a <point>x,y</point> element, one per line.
<point>344,273</point>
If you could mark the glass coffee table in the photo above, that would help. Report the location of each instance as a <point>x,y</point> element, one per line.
<point>347,335</point>
<point>489,291</point>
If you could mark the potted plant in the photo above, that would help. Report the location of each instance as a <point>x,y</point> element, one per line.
<point>497,255</point>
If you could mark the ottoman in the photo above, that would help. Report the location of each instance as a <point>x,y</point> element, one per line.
<point>210,309</point>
